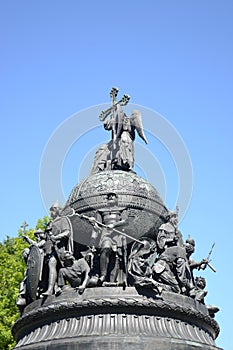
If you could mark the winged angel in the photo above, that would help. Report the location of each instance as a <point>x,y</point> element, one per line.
<point>119,152</point>
<point>123,136</point>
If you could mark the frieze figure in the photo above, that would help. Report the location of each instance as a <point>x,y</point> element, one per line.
<point>102,159</point>
<point>200,265</point>
<point>59,232</point>
<point>111,244</point>
<point>109,237</point>
<point>76,272</point>
<point>140,264</point>
<point>168,233</point>
<point>190,249</point>
<point>198,292</point>
<point>34,258</point>
<point>171,268</point>
<point>161,264</point>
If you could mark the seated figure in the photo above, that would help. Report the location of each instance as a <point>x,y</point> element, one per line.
<point>172,269</point>
<point>76,272</point>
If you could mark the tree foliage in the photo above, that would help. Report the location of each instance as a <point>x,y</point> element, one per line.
<point>12,268</point>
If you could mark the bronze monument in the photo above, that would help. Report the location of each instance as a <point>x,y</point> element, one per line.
<point>112,270</point>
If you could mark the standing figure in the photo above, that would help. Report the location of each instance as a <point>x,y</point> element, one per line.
<point>59,240</point>
<point>123,131</point>
<point>33,257</point>
<point>112,245</point>
<point>40,236</point>
<point>23,297</point>
<point>190,249</point>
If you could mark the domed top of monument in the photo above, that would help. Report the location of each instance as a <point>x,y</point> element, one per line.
<point>127,186</point>
<point>122,191</point>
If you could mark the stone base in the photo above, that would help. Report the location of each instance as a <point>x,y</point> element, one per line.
<point>112,318</point>
<point>119,343</point>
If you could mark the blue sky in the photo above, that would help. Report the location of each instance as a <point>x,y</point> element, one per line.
<point>173,57</point>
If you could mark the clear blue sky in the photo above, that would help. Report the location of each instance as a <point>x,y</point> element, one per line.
<point>173,57</point>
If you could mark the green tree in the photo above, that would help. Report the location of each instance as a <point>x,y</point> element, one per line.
<point>12,268</point>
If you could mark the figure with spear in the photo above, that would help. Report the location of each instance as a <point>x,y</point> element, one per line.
<point>109,236</point>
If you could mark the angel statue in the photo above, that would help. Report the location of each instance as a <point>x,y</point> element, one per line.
<point>123,132</point>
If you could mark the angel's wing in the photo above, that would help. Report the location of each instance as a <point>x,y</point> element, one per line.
<point>136,121</point>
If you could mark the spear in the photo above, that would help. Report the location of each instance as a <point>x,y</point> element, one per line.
<point>208,258</point>
<point>206,262</point>
<point>92,220</point>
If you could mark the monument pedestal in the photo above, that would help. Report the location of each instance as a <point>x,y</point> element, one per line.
<point>113,318</point>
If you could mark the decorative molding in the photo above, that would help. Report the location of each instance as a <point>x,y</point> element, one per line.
<point>170,316</point>
<point>117,324</point>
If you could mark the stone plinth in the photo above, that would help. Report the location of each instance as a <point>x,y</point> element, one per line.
<point>112,318</point>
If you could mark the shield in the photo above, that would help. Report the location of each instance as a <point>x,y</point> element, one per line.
<point>159,266</point>
<point>34,271</point>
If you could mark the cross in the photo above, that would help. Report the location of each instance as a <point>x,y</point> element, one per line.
<point>24,225</point>
<point>113,94</point>
<point>122,102</point>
